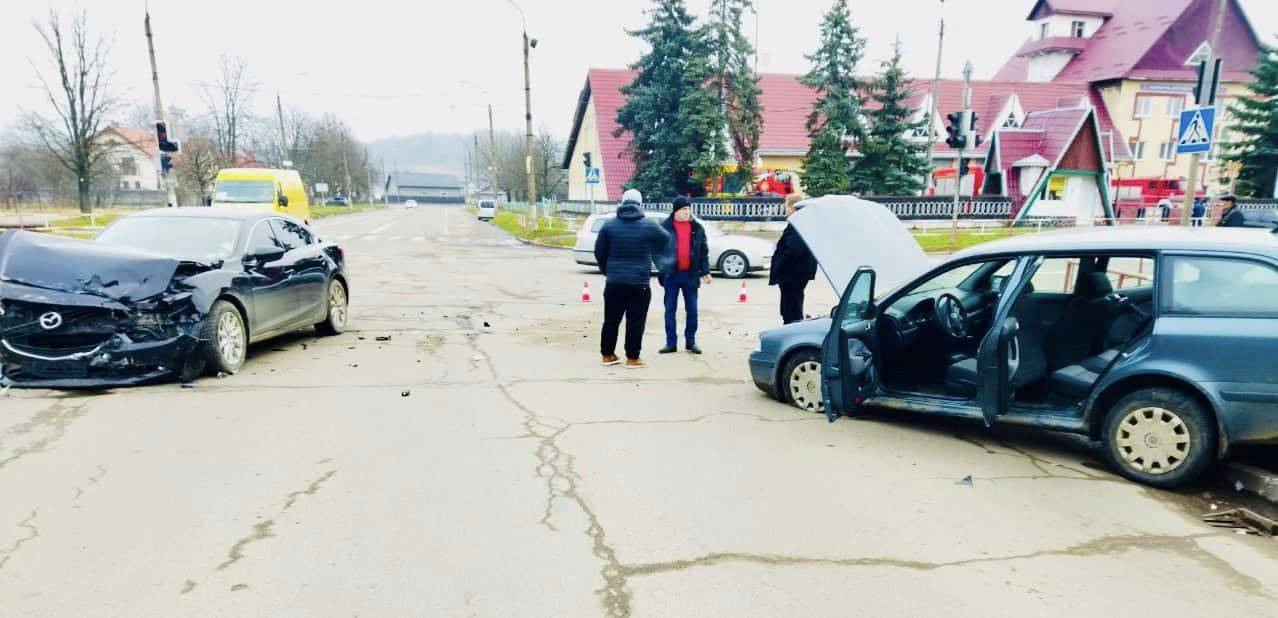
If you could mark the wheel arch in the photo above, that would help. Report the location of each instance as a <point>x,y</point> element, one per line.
<point>239,305</point>
<point>1100,405</point>
<point>779,378</point>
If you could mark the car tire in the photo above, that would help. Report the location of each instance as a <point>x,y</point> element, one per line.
<point>1161,437</point>
<point>224,343</point>
<point>336,309</point>
<point>801,381</point>
<point>734,265</point>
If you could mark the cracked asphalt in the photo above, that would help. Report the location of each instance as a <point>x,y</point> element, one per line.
<point>519,478</point>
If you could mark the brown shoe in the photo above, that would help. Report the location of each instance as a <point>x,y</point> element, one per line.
<point>635,363</point>
<point>610,360</point>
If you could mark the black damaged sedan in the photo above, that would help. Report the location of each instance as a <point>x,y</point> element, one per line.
<point>162,294</point>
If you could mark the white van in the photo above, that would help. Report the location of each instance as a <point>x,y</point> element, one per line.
<point>487,210</point>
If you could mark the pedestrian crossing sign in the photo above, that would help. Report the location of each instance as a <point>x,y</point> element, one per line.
<point>592,175</point>
<point>1195,130</point>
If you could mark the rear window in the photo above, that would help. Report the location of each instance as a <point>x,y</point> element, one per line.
<point>486,204</point>
<point>1222,286</point>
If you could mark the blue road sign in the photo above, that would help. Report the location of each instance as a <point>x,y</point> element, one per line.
<point>592,175</point>
<point>1195,130</point>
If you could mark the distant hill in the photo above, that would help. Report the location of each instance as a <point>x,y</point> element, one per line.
<point>441,153</point>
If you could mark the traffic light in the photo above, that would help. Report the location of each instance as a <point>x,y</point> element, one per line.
<point>166,163</point>
<point>585,158</point>
<point>962,167</point>
<point>1207,86</point>
<point>162,137</point>
<point>954,128</point>
<point>976,135</point>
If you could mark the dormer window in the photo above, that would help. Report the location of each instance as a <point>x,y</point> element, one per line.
<point>1076,29</point>
<point>1043,30</point>
<point>1012,122</point>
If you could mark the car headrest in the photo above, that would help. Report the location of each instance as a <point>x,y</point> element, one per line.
<point>1094,285</point>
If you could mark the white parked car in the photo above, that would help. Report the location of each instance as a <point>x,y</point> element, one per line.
<point>486,210</point>
<point>410,204</point>
<point>732,255</point>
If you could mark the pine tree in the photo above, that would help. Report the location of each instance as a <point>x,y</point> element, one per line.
<point>1256,150</point>
<point>836,114</point>
<point>667,112</point>
<point>734,81</point>
<point>892,163</point>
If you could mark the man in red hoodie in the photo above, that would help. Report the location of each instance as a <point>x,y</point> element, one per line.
<point>686,267</point>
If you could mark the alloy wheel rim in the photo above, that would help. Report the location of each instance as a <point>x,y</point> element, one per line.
<point>337,304</point>
<point>1153,440</point>
<point>230,338</point>
<point>805,386</point>
<point>733,265</point>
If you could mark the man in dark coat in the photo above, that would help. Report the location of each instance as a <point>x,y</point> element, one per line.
<point>625,250</point>
<point>1231,216</point>
<point>793,266</point>
<point>685,267</point>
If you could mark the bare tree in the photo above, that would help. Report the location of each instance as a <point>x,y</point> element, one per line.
<point>199,161</point>
<point>548,157</point>
<point>229,100</point>
<point>78,91</point>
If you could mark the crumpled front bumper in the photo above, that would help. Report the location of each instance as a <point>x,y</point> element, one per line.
<point>116,362</point>
<point>763,368</point>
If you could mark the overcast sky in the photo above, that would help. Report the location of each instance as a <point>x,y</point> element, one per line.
<point>390,67</point>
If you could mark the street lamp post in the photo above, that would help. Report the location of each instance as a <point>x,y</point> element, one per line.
<point>528,136</point>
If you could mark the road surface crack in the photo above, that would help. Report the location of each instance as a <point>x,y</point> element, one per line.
<point>558,469</point>
<point>56,419</point>
<point>93,480</point>
<point>309,491</point>
<point>261,531</point>
<point>29,524</point>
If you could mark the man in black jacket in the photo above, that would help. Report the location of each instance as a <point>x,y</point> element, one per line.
<point>1231,216</point>
<point>793,266</point>
<point>625,250</point>
<point>685,267</point>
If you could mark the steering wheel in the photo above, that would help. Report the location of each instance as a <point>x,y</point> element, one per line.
<point>951,316</point>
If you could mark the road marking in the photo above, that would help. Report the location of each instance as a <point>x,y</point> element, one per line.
<point>370,238</point>
<point>344,237</point>
<point>382,228</point>
<point>418,239</point>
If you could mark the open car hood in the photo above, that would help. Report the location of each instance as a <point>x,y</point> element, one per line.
<point>845,233</point>
<point>50,269</point>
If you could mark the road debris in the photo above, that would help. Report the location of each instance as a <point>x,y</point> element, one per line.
<point>405,393</point>
<point>965,481</point>
<point>477,357</point>
<point>188,385</point>
<point>382,338</point>
<point>1243,521</point>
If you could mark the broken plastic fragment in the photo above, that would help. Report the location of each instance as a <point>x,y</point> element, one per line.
<point>1238,485</point>
<point>188,385</point>
<point>383,338</point>
<point>966,481</point>
<point>477,357</point>
<point>404,393</point>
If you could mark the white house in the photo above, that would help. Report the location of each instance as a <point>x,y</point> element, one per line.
<point>135,155</point>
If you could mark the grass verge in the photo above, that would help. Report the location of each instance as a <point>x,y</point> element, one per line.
<point>546,233</point>
<point>939,241</point>
<point>84,221</point>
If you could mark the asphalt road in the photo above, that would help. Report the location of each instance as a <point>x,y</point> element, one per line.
<point>481,463</point>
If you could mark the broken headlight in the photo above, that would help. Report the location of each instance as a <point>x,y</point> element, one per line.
<point>150,320</point>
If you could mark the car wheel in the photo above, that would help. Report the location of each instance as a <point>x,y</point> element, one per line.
<point>734,265</point>
<point>801,381</point>
<point>1160,437</point>
<point>337,309</point>
<point>225,340</point>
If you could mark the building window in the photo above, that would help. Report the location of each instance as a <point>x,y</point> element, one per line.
<point>1175,105</point>
<point>1043,30</point>
<point>128,166</point>
<point>137,184</point>
<point>1167,151</point>
<point>1144,106</point>
<point>124,184</point>
<point>1076,29</point>
<point>1137,148</point>
<point>1011,122</point>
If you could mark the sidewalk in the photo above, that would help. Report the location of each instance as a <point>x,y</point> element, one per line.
<point>26,220</point>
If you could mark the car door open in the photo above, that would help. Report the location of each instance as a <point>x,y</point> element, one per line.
<point>1001,352</point>
<point>848,352</point>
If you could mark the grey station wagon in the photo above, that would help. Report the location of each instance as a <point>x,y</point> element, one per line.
<point>1158,342</point>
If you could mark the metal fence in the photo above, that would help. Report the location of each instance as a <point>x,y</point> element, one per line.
<point>774,210</point>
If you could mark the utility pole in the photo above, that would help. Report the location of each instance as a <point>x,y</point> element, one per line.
<point>346,169</point>
<point>492,153</point>
<point>528,137</point>
<point>967,137</point>
<point>1206,98</point>
<point>935,109</point>
<point>284,149</point>
<point>166,184</point>
<point>368,169</point>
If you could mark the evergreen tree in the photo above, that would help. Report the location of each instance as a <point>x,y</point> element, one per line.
<point>1256,149</point>
<point>734,82</point>
<point>702,146</point>
<point>667,112</point>
<point>836,114</point>
<point>893,162</point>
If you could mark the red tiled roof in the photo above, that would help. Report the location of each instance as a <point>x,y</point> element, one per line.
<point>786,104</point>
<point>1148,39</point>
<point>1052,43</point>
<point>1057,128</point>
<point>143,140</point>
<point>1016,144</point>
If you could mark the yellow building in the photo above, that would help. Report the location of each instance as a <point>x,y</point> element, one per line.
<point>1140,59</point>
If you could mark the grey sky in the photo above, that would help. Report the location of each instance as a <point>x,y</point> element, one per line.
<point>395,67</point>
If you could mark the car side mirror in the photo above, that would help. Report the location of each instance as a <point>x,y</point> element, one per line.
<point>283,201</point>
<point>263,256</point>
<point>997,282</point>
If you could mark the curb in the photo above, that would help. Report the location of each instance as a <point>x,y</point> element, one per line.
<point>1256,480</point>
<point>540,244</point>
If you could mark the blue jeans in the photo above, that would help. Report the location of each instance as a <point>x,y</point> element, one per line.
<point>685,282</point>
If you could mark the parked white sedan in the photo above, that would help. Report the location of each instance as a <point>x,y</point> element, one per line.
<point>733,255</point>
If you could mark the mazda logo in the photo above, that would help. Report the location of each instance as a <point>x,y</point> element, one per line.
<point>51,320</point>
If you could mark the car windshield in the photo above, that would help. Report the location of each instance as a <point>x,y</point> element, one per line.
<point>186,238</point>
<point>244,192</point>
<point>947,279</point>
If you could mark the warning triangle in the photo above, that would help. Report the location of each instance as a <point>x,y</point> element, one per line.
<point>1195,134</point>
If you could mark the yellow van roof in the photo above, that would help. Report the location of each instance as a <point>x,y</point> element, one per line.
<point>247,173</point>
